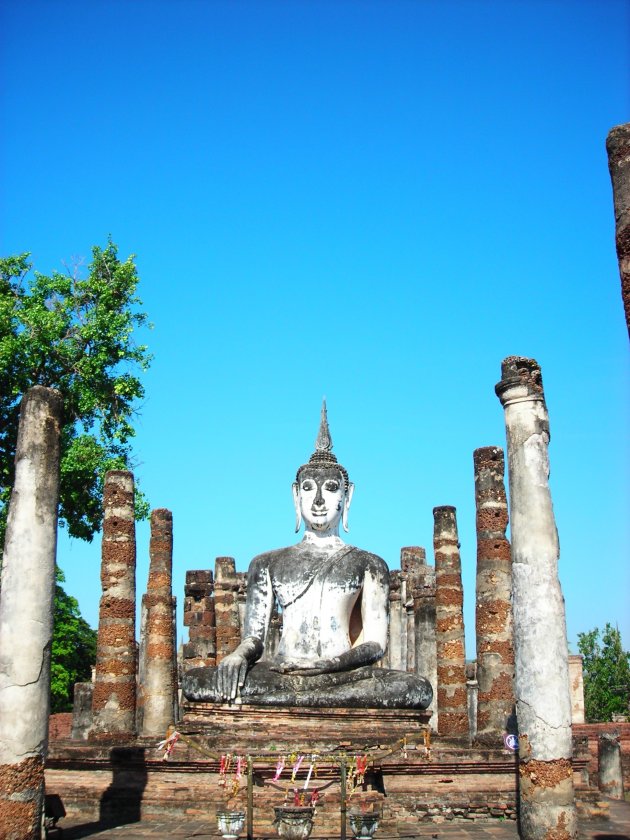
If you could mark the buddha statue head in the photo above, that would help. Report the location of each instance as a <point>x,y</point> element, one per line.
<point>322,491</point>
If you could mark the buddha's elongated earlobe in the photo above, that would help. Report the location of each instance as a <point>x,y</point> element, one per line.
<point>296,502</point>
<point>346,507</point>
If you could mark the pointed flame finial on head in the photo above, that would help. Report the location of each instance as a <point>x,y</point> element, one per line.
<point>323,455</point>
<point>324,441</point>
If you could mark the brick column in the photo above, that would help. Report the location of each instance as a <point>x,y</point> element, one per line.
<point>114,698</point>
<point>160,651</point>
<point>495,648</point>
<point>199,617</point>
<point>618,148</point>
<point>226,605</point>
<point>449,623</point>
<point>543,706</point>
<point>26,614</point>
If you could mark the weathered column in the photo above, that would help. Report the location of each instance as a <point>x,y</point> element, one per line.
<point>449,626</point>
<point>618,148</point>
<point>160,651</point>
<point>495,649</point>
<point>114,698</point>
<point>82,711</point>
<point>576,688</point>
<point>412,558</point>
<point>226,606</point>
<point>200,618</point>
<point>394,644</point>
<point>425,642</point>
<point>26,614</point>
<point>472,687</point>
<point>609,765</point>
<point>543,707</point>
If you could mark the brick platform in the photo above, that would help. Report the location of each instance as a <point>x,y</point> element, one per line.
<point>250,729</point>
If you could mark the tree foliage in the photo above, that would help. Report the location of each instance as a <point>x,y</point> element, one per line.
<point>73,649</point>
<point>75,335</point>
<point>606,667</point>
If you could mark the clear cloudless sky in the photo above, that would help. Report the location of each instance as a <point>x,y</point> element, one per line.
<point>372,201</point>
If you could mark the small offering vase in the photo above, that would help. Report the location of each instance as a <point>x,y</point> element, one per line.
<point>363,825</point>
<point>293,821</point>
<point>230,823</point>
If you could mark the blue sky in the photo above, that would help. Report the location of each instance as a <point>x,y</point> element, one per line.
<point>376,202</point>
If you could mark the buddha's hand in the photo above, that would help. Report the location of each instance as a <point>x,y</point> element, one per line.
<point>302,668</point>
<point>230,676</point>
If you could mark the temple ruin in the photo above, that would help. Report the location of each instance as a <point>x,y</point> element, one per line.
<point>457,759</point>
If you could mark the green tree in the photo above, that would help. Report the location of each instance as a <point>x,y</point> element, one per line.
<point>76,335</point>
<point>606,668</point>
<point>73,649</point>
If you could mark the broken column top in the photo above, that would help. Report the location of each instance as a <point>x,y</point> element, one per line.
<point>488,457</point>
<point>522,373</point>
<point>445,521</point>
<point>224,568</point>
<point>411,558</point>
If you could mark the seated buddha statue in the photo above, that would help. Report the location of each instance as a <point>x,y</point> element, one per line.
<point>334,600</point>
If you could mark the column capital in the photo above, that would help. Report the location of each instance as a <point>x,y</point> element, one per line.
<point>521,381</point>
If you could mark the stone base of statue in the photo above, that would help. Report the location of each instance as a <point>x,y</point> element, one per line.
<point>250,729</point>
<point>361,688</point>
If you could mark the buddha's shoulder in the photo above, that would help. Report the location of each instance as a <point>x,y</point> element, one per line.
<point>368,558</point>
<point>347,553</point>
<point>268,558</point>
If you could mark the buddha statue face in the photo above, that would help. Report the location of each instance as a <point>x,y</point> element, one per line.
<point>322,499</point>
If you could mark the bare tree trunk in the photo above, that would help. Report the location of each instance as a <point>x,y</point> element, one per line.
<point>26,615</point>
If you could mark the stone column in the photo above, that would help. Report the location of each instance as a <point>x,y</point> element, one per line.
<point>412,558</point>
<point>82,711</point>
<point>452,693</point>
<point>543,707</point>
<point>199,617</point>
<point>609,765</point>
<point>160,650</point>
<point>576,688</point>
<point>618,148</point>
<point>226,605</point>
<point>114,698</point>
<point>26,614</point>
<point>396,627</point>
<point>425,642</point>
<point>495,649</point>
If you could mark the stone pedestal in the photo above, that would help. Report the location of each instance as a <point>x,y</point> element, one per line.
<point>609,760</point>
